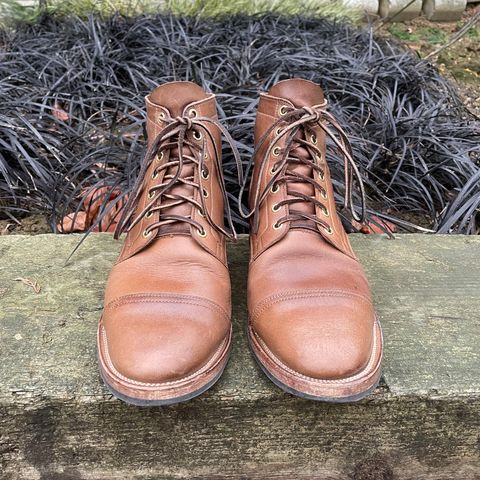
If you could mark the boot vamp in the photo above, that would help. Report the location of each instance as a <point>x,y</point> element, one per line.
<point>311,306</point>
<point>173,264</point>
<point>167,310</point>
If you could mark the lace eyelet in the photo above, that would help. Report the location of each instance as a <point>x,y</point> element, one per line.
<point>146,233</point>
<point>205,193</point>
<point>273,170</point>
<point>159,157</point>
<point>155,175</point>
<point>151,195</point>
<point>283,110</point>
<point>274,188</point>
<point>321,175</point>
<point>161,116</point>
<point>192,112</point>
<point>313,139</point>
<point>275,208</point>
<point>278,131</point>
<point>205,174</point>
<point>276,151</point>
<point>200,212</point>
<point>201,232</point>
<point>325,211</point>
<point>148,214</point>
<point>197,135</point>
<point>324,194</point>
<point>329,230</point>
<point>277,226</point>
<point>205,155</point>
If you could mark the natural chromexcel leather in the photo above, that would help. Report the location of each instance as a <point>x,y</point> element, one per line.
<point>312,323</point>
<point>165,331</point>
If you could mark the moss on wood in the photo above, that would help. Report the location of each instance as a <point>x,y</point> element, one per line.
<point>58,422</point>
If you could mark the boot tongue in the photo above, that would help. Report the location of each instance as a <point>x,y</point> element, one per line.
<point>176,96</point>
<point>302,93</point>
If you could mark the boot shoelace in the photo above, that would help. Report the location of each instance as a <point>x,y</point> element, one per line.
<point>174,137</point>
<point>295,120</point>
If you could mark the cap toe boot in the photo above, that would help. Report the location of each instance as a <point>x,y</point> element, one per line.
<point>165,332</point>
<point>312,325</point>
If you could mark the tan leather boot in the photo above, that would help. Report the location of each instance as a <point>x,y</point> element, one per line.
<point>164,336</point>
<point>312,324</point>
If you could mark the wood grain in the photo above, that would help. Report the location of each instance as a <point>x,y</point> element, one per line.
<point>57,421</point>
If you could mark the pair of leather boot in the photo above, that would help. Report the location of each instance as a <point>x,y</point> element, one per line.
<point>165,332</point>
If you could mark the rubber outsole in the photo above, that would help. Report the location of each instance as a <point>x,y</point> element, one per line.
<point>297,393</point>
<point>161,403</point>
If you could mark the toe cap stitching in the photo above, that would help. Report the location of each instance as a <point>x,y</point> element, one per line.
<point>295,295</point>
<point>165,298</point>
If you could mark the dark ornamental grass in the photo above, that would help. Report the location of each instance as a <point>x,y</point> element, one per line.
<point>72,99</point>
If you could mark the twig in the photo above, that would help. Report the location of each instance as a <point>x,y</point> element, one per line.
<point>6,229</point>
<point>389,19</point>
<point>456,37</point>
<point>30,283</point>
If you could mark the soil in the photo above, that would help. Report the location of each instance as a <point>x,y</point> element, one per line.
<point>460,62</point>
<point>30,225</point>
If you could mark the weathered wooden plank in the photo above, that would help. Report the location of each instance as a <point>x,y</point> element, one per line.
<point>58,422</point>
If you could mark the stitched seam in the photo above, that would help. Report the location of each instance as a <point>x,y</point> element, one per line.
<point>201,370</point>
<point>279,297</point>
<point>360,374</point>
<point>165,298</point>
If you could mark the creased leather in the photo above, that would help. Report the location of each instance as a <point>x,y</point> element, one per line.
<point>308,298</point>
<point>167,300</point>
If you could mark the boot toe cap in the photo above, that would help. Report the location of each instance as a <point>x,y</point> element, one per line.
<point>320,337</point>
<point>158,340</point>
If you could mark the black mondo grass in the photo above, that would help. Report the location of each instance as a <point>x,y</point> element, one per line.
<point>72,109</point>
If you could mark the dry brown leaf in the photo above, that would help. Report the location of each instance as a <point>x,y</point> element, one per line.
<point>370,227</point>
<point>92,202</point>
<point>59,113</point>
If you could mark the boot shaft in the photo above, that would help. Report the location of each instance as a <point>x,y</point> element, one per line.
<point>291,185</point>
<point>180,190</point>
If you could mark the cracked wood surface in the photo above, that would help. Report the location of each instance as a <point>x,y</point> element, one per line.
<point>57,421</point>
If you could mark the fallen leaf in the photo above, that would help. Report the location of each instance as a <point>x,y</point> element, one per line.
<point>92,204</point>
<point>59,113</point>
<point>375,226</point>
<point>73,223</point>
